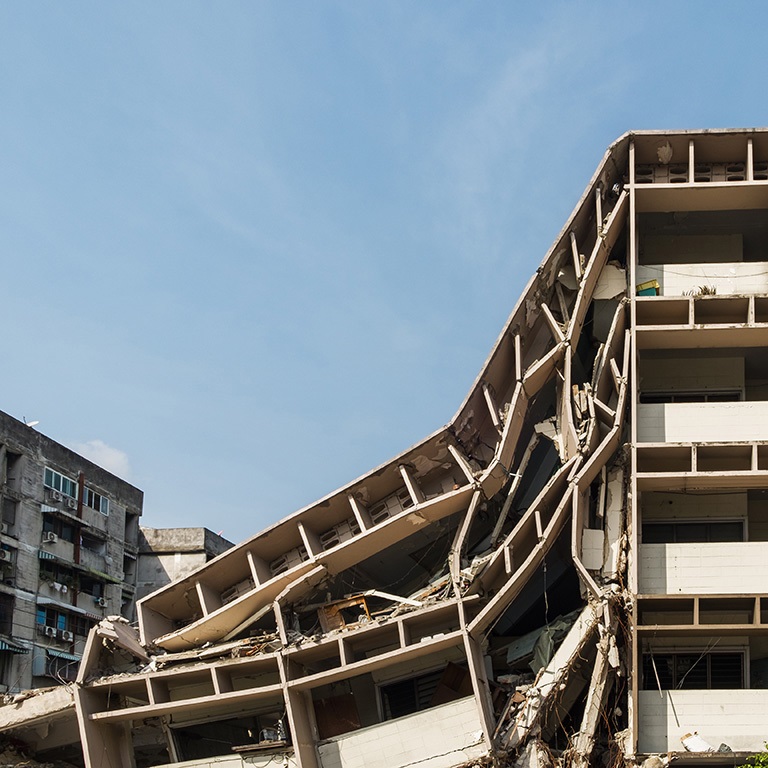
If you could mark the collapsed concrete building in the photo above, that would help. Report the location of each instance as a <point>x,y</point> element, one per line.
<point>571,571</point>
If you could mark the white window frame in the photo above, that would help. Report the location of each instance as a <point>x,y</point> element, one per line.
<point>61,477</point>
<point>89,495</point>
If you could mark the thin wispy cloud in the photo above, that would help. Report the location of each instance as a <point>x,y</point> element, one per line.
<point>112,459</point>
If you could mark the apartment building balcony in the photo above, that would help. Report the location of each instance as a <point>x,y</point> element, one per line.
<point>702,395</point>
<point>702,321</point>
<point>732,717</point>
<point>703,542</point>
<point>451,733</point>
<point>701,422</point>
<point>703,568</point>
<point>729,278</point>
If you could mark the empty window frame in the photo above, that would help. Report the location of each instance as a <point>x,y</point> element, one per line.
<point>62,528</point>
<point>693,670</point>
<point>58,482</point>
<point>96,501</point>
<point>50,617</point>
<point>61,668</point>
<point>689,531</point>
<point>93,544</point>
<point>405,697</point>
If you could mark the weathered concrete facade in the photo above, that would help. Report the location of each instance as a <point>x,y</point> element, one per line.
<point>169,554</point>
<point>68,548</point>
<point>571,571</point>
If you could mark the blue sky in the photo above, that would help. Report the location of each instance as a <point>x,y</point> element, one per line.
<point>251,250</point>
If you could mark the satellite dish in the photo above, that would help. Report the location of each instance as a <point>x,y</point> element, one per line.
<point>31,423</point>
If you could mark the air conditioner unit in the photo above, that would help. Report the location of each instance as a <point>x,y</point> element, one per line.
<point>67,636</point>
<point>101,601</point>
<point>71,503</point>
<point>292,558</point>
<point>56,495</point>
<point>50,631</point>
<point>5,554</point>
<point>50,537</point>
<point>3,527</point>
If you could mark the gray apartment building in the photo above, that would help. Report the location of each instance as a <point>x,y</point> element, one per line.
<point>68,555</point>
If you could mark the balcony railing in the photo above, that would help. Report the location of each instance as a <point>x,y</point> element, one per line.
<point>701,422</point>
<point>450,730</point>
<point>665,718</point>
<point>725,279</point>
<point>704,568</point>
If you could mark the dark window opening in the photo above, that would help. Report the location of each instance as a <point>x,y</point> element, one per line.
<point>415,694</point>
<point>6,614</point>
<point>63,529</point>
<point>93,544</point>
<point>730,396</point>
<point>680,532</point>
<point>693,670</point>
<point>218,738</point>
<point>61,669</point>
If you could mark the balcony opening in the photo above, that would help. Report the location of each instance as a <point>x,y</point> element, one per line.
<point>725,515</point>
<point>702,395</point>
<point>265,728</point>
<point>707,237</point>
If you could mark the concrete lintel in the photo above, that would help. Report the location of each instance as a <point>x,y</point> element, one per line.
<point>584,742</point>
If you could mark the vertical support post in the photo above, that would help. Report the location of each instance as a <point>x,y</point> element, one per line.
<point>598,210</point>
<point>103,743</point>
<point>632,501</point>
<point>259,569</point>
<point>479,677</point>
<point>311,540</point>
<point>300,721</point>
<point>360,513</point>
<point>576,256</point>
<point>410,483</point>
<point>691,162</point>
<point>463,463</point>
<point>492,409</point>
